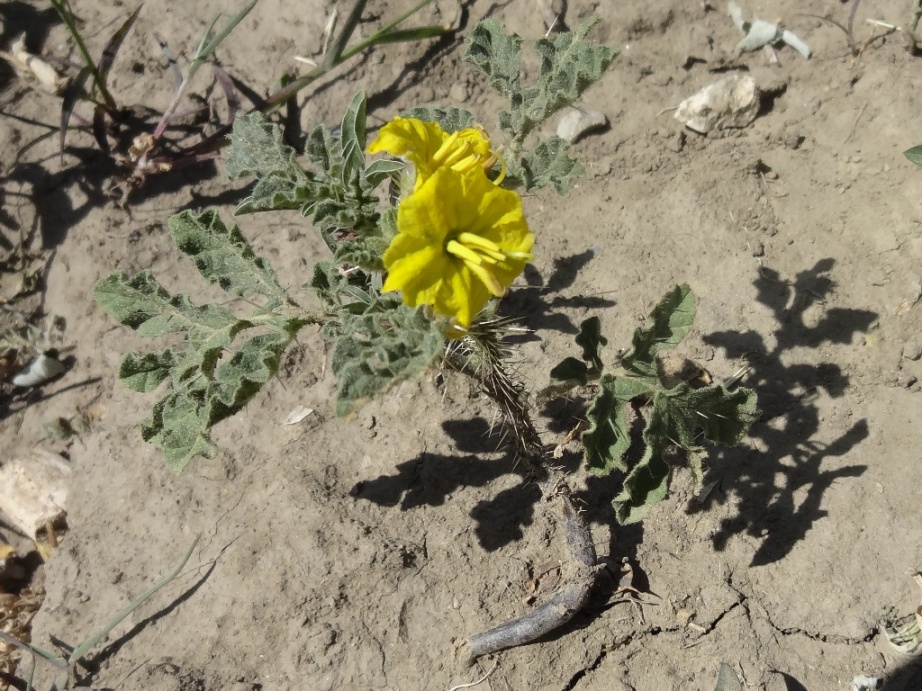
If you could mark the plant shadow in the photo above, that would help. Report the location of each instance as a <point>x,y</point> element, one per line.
<point>780,486</point>
<point>541,303</point>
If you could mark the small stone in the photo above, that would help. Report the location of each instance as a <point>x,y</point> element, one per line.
<point>912,350</point>
<point>577,122</point>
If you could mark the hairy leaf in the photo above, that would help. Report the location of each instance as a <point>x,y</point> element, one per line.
<point>608,437</point>
<point>376,350</point>
<point>548,164</point>
<point>450,119</point>
<point>353,137</point>
<point>144,373</point>
<point>671,320</point>
<point>257,149</point>
<point>569,65</point>
<point>676,418</point>
<point>211,374</point>
<point>223,256</point>
<point>497,54</point>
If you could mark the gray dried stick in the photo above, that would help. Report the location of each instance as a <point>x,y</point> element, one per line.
<point>578,577</point>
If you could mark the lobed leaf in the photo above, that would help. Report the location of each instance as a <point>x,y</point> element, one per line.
<point>223,257</point>
<point>497,54</point>
<point>569,65</point>
<point>144,373</point>
<point>376,350</point>
<point>257,149</point>
<point>450,119</point>
<point>671,320</point>
<point>548,164</point>
<point>608,438</point>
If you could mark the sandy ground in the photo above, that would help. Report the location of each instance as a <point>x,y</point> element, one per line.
<point>359,554</point>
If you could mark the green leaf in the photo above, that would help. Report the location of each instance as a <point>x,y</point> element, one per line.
<point>144,373</point>
<point>569,65</point>
<point>548,164</point>
<point>590,339</point>
<point>676,418</point>
<point>449,119</point>
<point>647,482</point>
<point>608,437</point>
<point>914,154</point>
<point>257,149</point>
<point>211,375</point>
<point>178,427</point>
<point>141,303</point>
<point>723,417</point>
<point>376,350</point>
<point>727,679</point>
<point>497,54</point>
<point>223,256</point>
<point>671,320</point>
<point>380,170</point>
<point>353,137</point>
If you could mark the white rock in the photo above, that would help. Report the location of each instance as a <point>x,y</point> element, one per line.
<point>577,122</point>
<point>731,102</point>
<point>40,370</point>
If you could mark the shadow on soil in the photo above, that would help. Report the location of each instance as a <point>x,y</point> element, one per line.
<point>767,482</point>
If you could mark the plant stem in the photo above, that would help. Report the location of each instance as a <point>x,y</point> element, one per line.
<point>63,9</point>
<point>279,98</point>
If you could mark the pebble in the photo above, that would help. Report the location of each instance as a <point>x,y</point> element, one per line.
<point>577,122</point>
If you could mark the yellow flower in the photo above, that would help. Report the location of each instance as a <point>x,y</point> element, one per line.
<point>460,240</point>
<point>428,147</point>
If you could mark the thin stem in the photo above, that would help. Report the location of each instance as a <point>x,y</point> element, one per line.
<point>851,23</point>
<point>63,9</point>
<point>279,98</point>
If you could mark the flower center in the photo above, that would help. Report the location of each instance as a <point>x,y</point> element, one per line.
<point>481,255</point>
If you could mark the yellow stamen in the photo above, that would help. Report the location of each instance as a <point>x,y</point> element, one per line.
<point>489,280</point>
<point>445,149</point>
<point>480,242</point>
<point>463,252</point>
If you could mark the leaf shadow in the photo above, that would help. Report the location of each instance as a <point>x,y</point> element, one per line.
<point>769,483</point>
<point>541,303</point>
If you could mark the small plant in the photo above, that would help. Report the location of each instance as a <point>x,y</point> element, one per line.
<point>142,152</point>
<point>67,666</point>
<point>415,286</point>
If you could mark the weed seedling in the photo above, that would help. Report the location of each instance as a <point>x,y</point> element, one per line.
<point>67,666</point>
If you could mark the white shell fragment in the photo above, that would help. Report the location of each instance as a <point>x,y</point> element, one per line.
<point>731,102</point>
<point>44,367</point>
<point>297,415</point>
<point>760,33</point>
<point>47,76</point>
<point>577,122</point>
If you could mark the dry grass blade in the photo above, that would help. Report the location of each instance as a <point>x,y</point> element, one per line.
<point>230,92</point>
<point>339,45</point>
<point>71,95</point>
<point>115,43</point>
